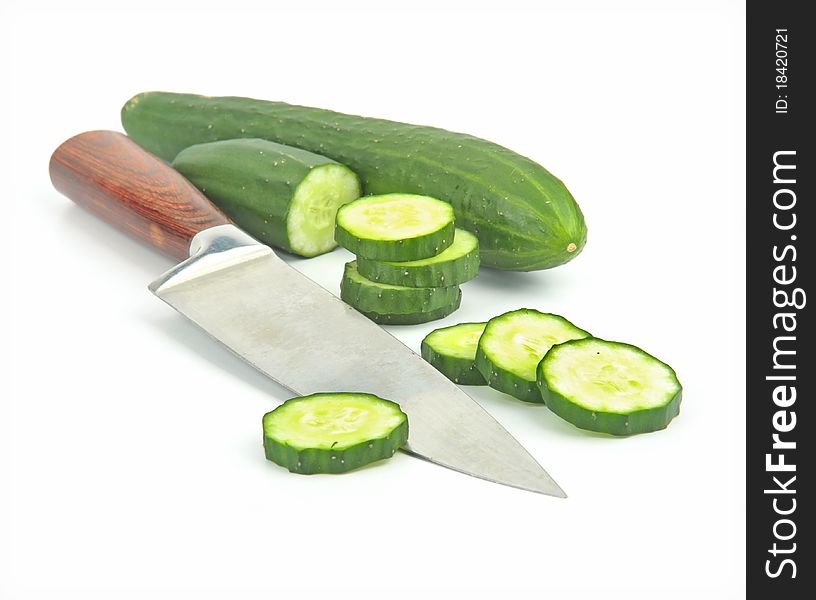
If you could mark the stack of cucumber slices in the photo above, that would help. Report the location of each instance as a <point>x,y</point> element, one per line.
<point>595,384</point>
<point>410,258</point>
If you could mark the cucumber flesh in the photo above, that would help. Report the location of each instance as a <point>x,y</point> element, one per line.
<point>514,343</point>
<point>395,227</point>
<point>452,351</point>
<point>457,264</point>
<point>333,432</point>
<point>312,213</point>
<point>610,387</point>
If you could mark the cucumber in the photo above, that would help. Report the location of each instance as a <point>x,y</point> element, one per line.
<point>394,304</point>
<point>610,387</point>
<point>512,346</point>
<point>395,227</point>
<point>452,351</point>
<point>456,264</point>
<point>333,432</point>
<point>416,317</point>
<point>283,196</point>
<point>524,217</point>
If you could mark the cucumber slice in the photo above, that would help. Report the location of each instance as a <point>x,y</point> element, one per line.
<point>285,197</point>
<point>609,387</point>
<point>452,351</point>
<point>395,227</point>
<point>457,264</point>
<point>414,318</point>
<point>333,432</point>
<point>385,299</point>
<point>514,343</point>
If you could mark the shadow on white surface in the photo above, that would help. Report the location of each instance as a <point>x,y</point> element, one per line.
<point>516,282</point>
<point>112,244</point>
<point>196,341</point>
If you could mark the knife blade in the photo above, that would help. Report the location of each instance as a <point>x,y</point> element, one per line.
<point>278,320</point>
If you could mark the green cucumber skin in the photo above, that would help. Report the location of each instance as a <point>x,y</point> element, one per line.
<point>453,272</point>
<point>525,218</point>
<point>253,181</point>
<point>503,380</point>
<point>312,461</point>
<point>617,424</point>
<point>416,317</point>
<point>507,382</point>
<point>458,370</point>
<point>368,296</point>
<point>642,421</point>
<point>423,246</point>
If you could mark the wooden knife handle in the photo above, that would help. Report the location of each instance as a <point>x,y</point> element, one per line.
<point>110,175</point>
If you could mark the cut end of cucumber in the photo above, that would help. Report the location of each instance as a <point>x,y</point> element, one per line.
<point>332,421</point>
<point>312,213</point>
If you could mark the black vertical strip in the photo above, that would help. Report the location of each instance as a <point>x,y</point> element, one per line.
<point>781,437</point>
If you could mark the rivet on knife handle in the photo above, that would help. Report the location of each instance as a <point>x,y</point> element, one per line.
<point>110,175</point>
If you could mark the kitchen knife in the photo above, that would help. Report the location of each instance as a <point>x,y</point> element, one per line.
<point>282,323</point>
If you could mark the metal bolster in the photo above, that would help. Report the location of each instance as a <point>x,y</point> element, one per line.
<point>211,250</point>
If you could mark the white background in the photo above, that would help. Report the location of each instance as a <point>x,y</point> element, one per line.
<point>132,444</point>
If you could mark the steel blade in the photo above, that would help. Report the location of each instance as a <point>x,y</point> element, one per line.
<point>308,340</point>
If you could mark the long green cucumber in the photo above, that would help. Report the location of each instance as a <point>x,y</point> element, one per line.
<point>524,217</point>
<point>393,304</point>
<point>610,387</point>
<point>455,265</point>
<point>333,432</point>
<point>452,351</point>
<point>513,344</point>
<point>284,196</point>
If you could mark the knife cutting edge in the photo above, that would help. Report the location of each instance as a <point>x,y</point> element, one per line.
<point>279,321</point>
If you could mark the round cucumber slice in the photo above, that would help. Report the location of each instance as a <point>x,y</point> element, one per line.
<point>452,351</point>
<point>333,432</point>
<point>610,387</point>
<point>514,343</point>
<point>457,264</point>
<point>395,227</point>
<point>384,299</point>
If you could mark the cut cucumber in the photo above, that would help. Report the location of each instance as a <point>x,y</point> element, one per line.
<point>395,227</point>
<point>456,264</point>
<point>512,346</point>
<point>452,350</point>
<point>386,299</point>
<point>609,387</point>
<point>283,196</point>
<point>333,432</point>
